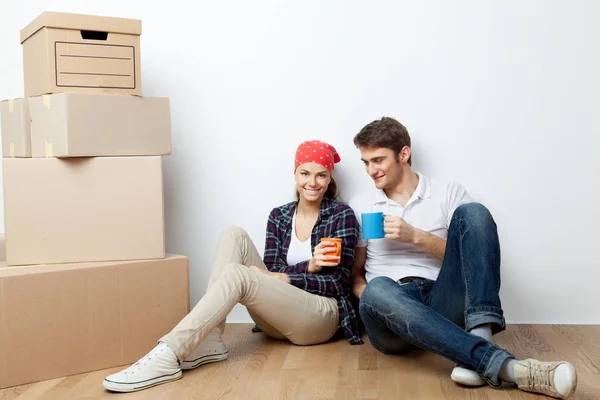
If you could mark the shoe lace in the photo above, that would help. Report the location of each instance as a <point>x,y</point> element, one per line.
<point>539,377</point>
<point>143,361</point>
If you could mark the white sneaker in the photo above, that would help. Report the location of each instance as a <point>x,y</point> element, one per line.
<point>466,377</point>
<point>209,351</point>
<point>160,365</point>
<point>556,379</point>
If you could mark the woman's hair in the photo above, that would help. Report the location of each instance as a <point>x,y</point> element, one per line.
<point>332,191</point>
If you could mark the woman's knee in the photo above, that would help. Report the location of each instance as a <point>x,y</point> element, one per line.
<point>234,232</point>
<point>237,273</point>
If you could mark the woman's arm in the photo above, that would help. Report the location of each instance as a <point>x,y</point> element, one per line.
<point>333,281</point>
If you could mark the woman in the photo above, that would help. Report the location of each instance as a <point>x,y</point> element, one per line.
<point>297,292</point>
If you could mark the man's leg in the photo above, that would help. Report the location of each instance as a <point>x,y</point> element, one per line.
<point>381,336</point>
<point>469,281</point>
<point>399,309</point>
<point>467,288</point>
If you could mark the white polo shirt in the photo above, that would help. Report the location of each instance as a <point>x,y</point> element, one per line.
<point>430,209</point>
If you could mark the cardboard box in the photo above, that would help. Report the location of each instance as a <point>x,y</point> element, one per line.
<point>64,52</point>
<point>83,125</point>
<point>83,209</point>
<point>60,320</point>
<point>15,128</point>
<point>2,248</point>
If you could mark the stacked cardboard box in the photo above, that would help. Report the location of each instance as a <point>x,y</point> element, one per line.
<point>86,283</point>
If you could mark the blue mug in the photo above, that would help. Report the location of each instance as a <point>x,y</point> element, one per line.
<point>372,225</point>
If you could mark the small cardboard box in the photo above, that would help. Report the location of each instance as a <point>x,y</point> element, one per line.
<point>66,319</point>
<point>87,125</point>
<point>83,209</point>
<point>15,128</point>
<point>64,52</point>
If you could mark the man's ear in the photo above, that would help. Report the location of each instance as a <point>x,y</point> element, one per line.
<point>404,154</point>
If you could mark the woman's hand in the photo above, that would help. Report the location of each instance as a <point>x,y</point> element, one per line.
<point>321,260</point>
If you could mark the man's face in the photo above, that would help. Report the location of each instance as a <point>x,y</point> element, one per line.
<point>382,166</point>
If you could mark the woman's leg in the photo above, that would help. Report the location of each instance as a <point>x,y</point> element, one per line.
<point>235,247</point>
<point>301,317</point>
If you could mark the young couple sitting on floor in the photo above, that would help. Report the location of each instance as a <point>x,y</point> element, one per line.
<point>432,282</point>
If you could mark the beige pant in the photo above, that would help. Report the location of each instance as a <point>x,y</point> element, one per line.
<point>281,310</point>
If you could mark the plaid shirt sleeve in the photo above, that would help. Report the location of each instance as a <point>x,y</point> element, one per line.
<point>333,281</point>
<point>273,257</point>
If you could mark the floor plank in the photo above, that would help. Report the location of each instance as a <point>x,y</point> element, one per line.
<point>263,368</point>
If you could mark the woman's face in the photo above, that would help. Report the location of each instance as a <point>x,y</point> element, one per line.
<point>312,180</point>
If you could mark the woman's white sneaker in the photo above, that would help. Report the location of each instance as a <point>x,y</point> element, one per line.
<point>207,352</point>
<point>159,366</point>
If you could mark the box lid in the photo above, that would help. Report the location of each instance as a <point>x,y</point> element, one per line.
<point>51,19</point>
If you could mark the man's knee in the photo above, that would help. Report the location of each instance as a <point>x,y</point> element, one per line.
<point>377,290</point>
<point>474,214</point>
<point>375,301</point>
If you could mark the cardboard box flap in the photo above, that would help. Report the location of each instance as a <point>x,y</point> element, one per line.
<point>22,270</point>
<point>94,23</point>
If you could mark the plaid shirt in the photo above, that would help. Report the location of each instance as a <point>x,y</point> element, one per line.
<point>336,219</point>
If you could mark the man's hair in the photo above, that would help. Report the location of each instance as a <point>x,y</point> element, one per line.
<point>385,132</point>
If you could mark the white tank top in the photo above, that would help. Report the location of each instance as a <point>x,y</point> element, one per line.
<point>298,251</point>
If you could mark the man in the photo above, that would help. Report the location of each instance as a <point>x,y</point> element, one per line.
<point>433,282</point>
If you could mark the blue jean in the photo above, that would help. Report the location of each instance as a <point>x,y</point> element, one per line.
<point>437,315</point>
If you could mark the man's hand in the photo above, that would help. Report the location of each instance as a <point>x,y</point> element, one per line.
<point>277,275</point>
<point>359,282</point>
<point>398,229</point>
<point>358,288</point>
<point>320,260</point>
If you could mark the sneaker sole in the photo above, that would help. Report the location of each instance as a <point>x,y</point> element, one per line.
<point>193,364</point>
<point>135,386</point>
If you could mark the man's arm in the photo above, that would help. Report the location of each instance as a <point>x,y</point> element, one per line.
<point>359,282</point>
<point>429,243</point>
<point>398,229</point>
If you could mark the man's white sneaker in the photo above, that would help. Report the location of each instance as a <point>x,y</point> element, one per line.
<point>466,377</point>
<point>160,365</point>
<point>555,379</point>
<point>209,351</point>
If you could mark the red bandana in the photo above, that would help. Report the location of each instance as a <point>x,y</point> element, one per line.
<point>317,152</point>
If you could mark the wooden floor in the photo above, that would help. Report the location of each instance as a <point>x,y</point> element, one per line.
<point>260,368</point>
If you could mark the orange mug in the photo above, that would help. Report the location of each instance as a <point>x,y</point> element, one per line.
<point>338,245</point>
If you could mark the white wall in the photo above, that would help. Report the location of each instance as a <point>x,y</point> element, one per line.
<point>502,96</point>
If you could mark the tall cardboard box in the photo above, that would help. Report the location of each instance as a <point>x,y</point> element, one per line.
<point>60,320</point>
<point>83,209</point>
<point>2,248</point>
<point>65,52</point>
<point>88,125</point>
<point>15,128</point>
